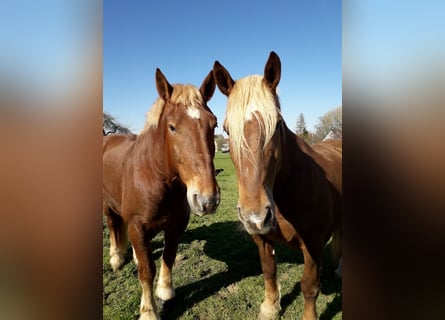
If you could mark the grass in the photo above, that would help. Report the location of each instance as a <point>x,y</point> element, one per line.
<point>217,274</point>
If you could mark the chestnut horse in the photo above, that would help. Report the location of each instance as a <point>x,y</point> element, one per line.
<point>152,180</point>
<point>288,191</point>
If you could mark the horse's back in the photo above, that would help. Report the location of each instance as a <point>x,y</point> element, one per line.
<point>331,145</point>
<point>115,152</point>
<point>116,149</point>
<point>117,140</point>
<point>330,159</point>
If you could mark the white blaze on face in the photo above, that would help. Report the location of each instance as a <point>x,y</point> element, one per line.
<point>193,113</point>
<point>251,108</point>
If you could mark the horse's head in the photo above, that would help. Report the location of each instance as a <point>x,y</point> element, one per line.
<point>254,124</point>
<point>187,126</point>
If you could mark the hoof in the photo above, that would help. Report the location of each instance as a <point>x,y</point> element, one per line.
<point>269,312</point>
<point>165,307</point>
<point>268,316</point>
<point>165,293</point>
<point>149,315</point>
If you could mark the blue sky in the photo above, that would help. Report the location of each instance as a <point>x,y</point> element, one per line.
<point>46,47</point>
<point>386,43</point>
<point>184,38</point>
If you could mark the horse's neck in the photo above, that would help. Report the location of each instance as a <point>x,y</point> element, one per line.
<point>150,154</point>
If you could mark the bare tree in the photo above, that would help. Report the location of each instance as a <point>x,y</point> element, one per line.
<point>331,123</point>
<point>111,125</point>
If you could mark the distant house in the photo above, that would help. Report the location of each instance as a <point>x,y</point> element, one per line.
<point>329,136</point>
<point>225,147</point>
<point>222,144</point>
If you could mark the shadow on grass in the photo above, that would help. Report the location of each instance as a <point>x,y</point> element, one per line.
<point>329,284</point>
<point>332,308</point>
<point>225,242</point>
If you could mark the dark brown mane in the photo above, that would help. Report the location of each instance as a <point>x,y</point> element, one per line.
<point>326,155</point>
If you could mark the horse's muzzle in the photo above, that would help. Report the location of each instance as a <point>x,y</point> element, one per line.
<point>257,222</point>
<point>204,204</point>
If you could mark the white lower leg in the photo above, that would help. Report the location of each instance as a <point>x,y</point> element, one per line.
<point>164,289</point>
<point>270,307</point>
<point>135,258</point>
<point>116,256</point>
<point>148,305</point>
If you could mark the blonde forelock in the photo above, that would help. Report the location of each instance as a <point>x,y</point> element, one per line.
<point>185,94</point>
<point>251,98</point>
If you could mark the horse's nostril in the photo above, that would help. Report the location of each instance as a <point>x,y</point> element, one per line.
<point>195,200</point>
<point>268,218</point>
<point>206,204</point>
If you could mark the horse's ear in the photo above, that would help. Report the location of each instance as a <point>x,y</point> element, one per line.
<point>208,87</point>
<point>272,71</point>
<point>164,88</point>
<point>223,79</point>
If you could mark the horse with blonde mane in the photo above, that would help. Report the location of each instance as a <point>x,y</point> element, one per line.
<point>288,191</point>
<point>152,180</point>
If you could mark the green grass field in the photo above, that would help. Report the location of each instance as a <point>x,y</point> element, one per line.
<point>217,274</point>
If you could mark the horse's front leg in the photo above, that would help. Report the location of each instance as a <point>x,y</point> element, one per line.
<point>146,271</point>
<point>172,235</point>
<point>270,307</point>
<point>310,285</point>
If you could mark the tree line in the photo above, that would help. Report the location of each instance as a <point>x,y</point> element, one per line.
<point>328,127</point>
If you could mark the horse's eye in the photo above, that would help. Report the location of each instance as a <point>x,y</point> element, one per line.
<point>172,128</point>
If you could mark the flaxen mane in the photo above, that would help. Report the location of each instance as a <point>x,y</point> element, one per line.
<point>185,94</point>
<point>251,98</point>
